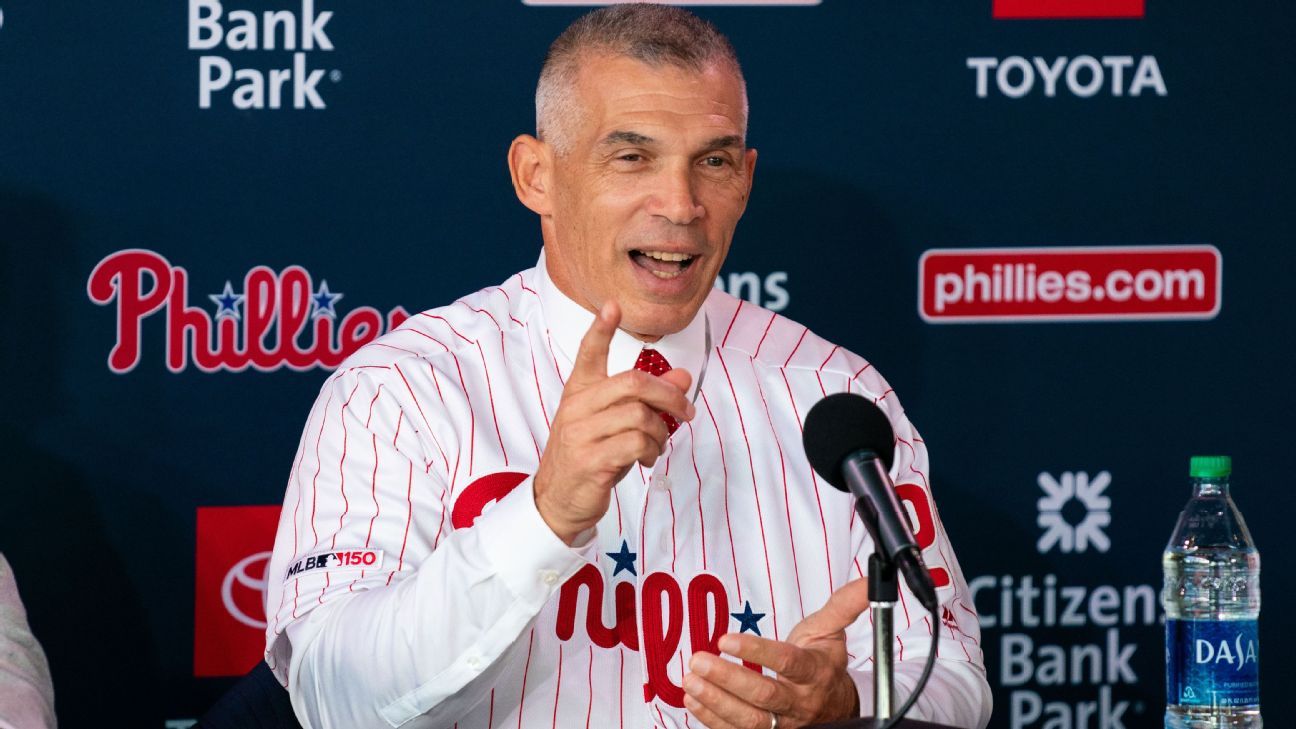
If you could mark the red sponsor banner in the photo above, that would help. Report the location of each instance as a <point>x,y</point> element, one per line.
<point>234,544</point>
<point>1052,284</point>
<point>1068,8</point>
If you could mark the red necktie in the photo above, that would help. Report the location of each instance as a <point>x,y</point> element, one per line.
<point>652,362</point>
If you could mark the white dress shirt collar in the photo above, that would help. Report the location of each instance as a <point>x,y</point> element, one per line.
<point>568,321</point>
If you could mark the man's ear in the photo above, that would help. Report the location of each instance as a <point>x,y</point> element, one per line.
<point>749,162</point>
<point>531,166</point>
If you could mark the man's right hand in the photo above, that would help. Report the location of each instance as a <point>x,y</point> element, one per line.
<point>604,425</point>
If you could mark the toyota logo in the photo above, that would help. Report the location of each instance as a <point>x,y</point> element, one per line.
<point>250,577</point>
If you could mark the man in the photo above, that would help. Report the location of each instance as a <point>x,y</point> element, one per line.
<point>26,692</point>
<point>555,501</point>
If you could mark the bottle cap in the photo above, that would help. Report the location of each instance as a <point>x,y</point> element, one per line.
<point>1210,466</point>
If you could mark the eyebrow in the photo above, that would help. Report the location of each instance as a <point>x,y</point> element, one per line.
<point>732,140</point>
<point>621,136</point>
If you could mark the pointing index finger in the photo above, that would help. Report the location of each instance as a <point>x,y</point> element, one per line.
<point>591,358</point>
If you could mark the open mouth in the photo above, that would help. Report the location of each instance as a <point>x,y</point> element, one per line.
<point>662,264</point>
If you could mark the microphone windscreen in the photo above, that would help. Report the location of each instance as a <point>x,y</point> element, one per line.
<point>840,425</point>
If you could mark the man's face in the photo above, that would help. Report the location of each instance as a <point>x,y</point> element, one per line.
<point>646,199</point>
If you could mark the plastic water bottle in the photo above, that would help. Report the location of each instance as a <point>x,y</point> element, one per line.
<point>1211,597</point>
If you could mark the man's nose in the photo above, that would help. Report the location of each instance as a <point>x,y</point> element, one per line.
<point>674,197</point>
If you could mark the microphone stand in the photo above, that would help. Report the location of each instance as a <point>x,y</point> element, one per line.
<point>883,591</point>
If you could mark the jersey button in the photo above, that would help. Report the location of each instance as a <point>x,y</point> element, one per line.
<point>549,577</point>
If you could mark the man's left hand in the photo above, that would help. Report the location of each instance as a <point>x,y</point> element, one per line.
<point>810,685</point>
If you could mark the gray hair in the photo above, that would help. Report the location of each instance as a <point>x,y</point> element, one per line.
<point>656,35</point>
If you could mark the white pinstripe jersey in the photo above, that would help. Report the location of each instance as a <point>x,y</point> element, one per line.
<point>444,600</point>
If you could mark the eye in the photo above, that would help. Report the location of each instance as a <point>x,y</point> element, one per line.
<point>630,157</point>
<point>715,161</point>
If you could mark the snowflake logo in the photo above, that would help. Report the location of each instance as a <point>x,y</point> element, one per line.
<point>1086,531</point>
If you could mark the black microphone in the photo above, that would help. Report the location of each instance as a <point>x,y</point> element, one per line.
<point>850,444</point>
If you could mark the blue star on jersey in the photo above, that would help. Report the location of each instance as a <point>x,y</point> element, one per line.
<point>324,301</point>
<point>747,619</point>
<point>625,560</point>
<point>227,302</point>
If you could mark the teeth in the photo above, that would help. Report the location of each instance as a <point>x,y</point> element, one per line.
<point>659,274</point>
<point>663,256</point>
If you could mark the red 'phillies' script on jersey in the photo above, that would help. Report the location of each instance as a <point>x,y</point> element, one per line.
<point>1068,8</point>
<point>234,544</point>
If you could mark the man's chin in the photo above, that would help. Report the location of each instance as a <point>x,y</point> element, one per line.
<point>654,321</point>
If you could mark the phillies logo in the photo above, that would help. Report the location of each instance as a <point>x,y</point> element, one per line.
<point>259,328</point>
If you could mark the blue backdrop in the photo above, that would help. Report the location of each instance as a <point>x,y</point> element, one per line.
<point>885,129</point>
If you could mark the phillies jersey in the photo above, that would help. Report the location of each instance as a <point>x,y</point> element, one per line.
<point>414,583</point>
